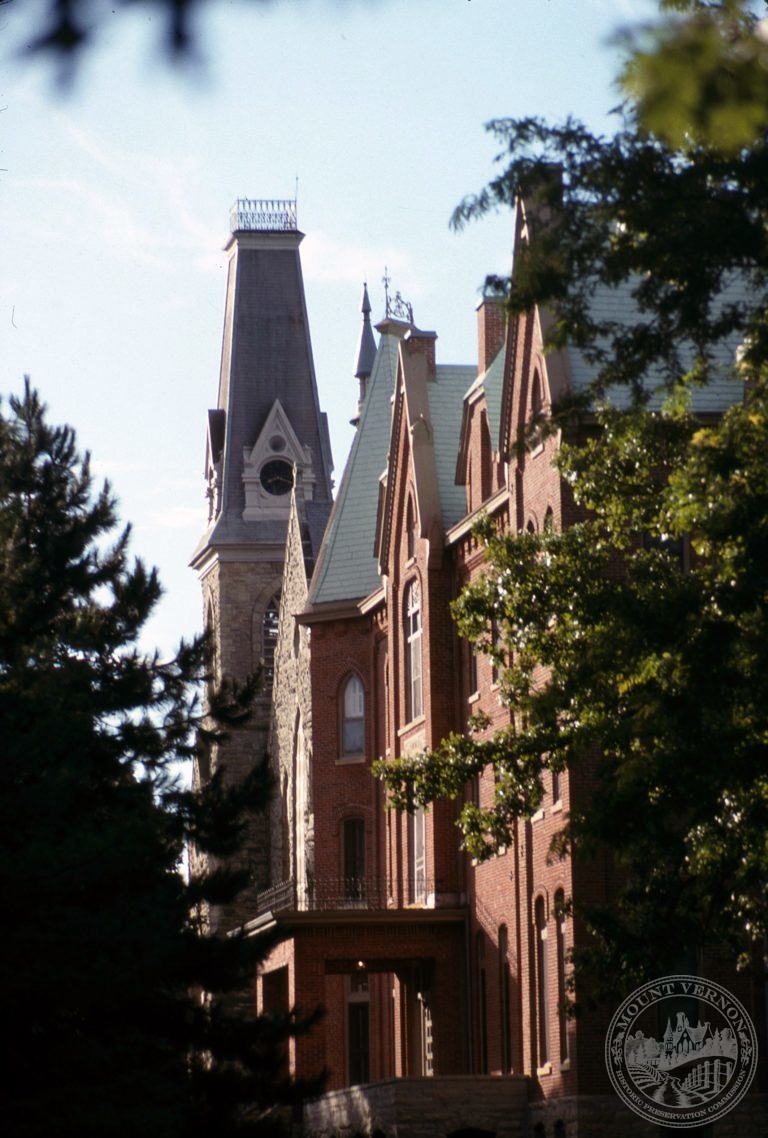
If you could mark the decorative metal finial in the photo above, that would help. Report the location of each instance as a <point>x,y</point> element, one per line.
<point>395,307</point>
<point>385,281</point>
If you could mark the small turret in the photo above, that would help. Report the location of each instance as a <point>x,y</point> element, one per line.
<point>365,355</point>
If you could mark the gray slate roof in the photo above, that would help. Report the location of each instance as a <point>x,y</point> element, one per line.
<point>266,355</point>
<point>492,382</point>
<point>618,305</point>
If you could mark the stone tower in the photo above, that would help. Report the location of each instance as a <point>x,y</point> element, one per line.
<point>266,425</point>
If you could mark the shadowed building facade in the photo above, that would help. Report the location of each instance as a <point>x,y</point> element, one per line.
<point>443,980</point>
<point>266,424</point>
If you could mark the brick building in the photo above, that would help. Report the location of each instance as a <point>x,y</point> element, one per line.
<point>443,980</point>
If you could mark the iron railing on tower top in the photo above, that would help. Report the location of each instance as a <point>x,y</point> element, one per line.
<point>264,214</point>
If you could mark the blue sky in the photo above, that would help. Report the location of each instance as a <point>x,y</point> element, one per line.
<point>114,201</point>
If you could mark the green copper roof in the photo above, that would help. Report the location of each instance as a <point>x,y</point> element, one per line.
<point>446,402</point>
<point>347,569</point>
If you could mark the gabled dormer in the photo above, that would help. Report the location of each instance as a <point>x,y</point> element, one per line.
<point>268,468</point>
<point>423,439</point>
<point>478,463</point>
<point>536,376</point>
<point>267,419</point>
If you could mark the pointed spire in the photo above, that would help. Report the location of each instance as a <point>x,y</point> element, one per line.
<point>366,352</point>
<point>366,345</point>
<point>268,413</point>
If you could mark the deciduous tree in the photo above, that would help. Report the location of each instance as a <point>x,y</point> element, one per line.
<point>635,642</point>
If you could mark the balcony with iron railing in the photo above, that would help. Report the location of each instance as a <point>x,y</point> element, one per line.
<point>264,215</point>
<point>338,894</point>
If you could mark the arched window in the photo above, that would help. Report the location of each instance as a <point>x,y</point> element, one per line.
<point>414,706</point>
<point>270,623</point>
<point>352,716</point>
<point>540,923</point>
<point>536,400</point>
<point>537,407</point>
<point>560,941</point>
<point>410,529</point>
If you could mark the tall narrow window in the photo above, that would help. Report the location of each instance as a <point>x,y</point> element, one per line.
<point>486,458</point>
<point>354,859</point>
<point>496,642</point>
<point>504,995</point>
<point>358,1029</point>
<point>540,928</point>
<point>417,851</point>
<point>560,940</point>
<point>353,717</point>
<point>471,670</point>
<point>536,400</point>
<point>413,690</point>
<point>482,1006</point>
<point>410,530</point>
<point>270,624</point>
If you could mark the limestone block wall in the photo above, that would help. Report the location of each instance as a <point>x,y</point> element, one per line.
<point>235,596</point>
<point>290,735</point>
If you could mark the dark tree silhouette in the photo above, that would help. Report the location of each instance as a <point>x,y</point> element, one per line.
<point>114,1004</point>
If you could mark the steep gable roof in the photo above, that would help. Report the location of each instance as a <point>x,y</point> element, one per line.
<point>568,369</point>
<point>488,385</point>
<point>619,306</point>
<point>428,405</point>
<point>346,569</point>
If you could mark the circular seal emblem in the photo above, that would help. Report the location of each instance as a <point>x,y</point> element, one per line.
<point>681,1051</point>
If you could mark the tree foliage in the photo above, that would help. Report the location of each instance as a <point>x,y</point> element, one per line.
<point>114,1005</point>
<point>65,30</point>
<point>634,643</point>
<point>634,650</point>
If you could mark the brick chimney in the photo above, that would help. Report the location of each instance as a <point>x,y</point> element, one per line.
<point>491,330</point>
<point>423,343</point>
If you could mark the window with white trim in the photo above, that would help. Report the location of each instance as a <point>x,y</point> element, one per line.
<point>353,716</point>
<point>270,625</point>
<point>414,705</point>
<point>542,987</point>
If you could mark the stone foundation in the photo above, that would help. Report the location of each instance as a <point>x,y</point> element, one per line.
<point>493,1107</point>
<point>421,1108</point>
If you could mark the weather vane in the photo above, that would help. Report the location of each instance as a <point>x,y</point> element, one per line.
<point>396,308</point>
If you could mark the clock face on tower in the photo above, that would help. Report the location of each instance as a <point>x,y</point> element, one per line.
<point>276,476</point>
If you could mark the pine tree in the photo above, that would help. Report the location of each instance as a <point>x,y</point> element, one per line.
<point>112,1004</point>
